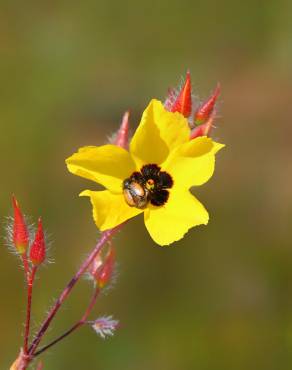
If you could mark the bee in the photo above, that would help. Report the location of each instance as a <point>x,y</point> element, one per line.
<point>135,193</point>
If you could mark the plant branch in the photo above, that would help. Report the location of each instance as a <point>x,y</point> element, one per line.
<point>77,325</point>
<point>30,281</point>
<point>105,237</point>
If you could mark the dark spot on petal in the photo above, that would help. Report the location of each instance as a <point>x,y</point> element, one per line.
<point>137,176</point>
<point>165,180</point>
<point>150,171</point>
<point>159,197</point>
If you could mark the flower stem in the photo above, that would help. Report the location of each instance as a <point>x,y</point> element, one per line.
<point>77,325</point>
<point>30,281</point>
<point>105,236</point>
<point>25,266</point>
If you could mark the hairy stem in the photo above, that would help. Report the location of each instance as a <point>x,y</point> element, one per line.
<point>25,266</point>
<point>77,325</point>
<point>30,282</point>
<point>105,237</point>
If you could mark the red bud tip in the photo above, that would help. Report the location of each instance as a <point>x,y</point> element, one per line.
<point>20,232</point>
<point>38,249</point>
<point>183,102</point>
<point>206,109</point>
<point>122,138</point>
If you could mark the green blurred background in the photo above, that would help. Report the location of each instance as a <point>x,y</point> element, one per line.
<point>222,297</point>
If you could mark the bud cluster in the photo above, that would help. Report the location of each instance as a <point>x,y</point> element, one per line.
<point>30,245</point>
<point>200,115</point>
<point>35,251</point>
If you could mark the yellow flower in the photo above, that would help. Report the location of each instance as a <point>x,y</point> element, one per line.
<point>153,177</point>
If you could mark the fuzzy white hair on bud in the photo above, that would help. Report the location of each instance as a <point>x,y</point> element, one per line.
<point>8,237</point>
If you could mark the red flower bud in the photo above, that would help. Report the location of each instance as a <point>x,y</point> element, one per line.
<point>102,270</point>
<point>20,232</point>
<point>183,102</point>
<point>107,268</point>
<point>206,109</point>
<point>38,249</point>
<point>122,137</point>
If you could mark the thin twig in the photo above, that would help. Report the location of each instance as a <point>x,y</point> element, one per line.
<point>77,325</point>
<point>105,236</point>
<point>28,308</point>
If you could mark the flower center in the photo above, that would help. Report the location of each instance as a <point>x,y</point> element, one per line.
<point>147,185</point>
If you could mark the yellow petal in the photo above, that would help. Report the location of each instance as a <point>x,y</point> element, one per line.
<point>109,210</point>
<point>170,222</point>
<point>159,133</point>
<point>108,165</point>
<point>217,147</point>
<point>193,163</point>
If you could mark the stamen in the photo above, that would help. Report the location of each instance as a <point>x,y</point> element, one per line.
<point>150,184</point>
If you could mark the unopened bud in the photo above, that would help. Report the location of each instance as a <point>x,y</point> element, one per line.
<point>20,232</point>
<point>102,269</point>
<point>183,102</point>
<point>205,110</point>
<point>37,253</point>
